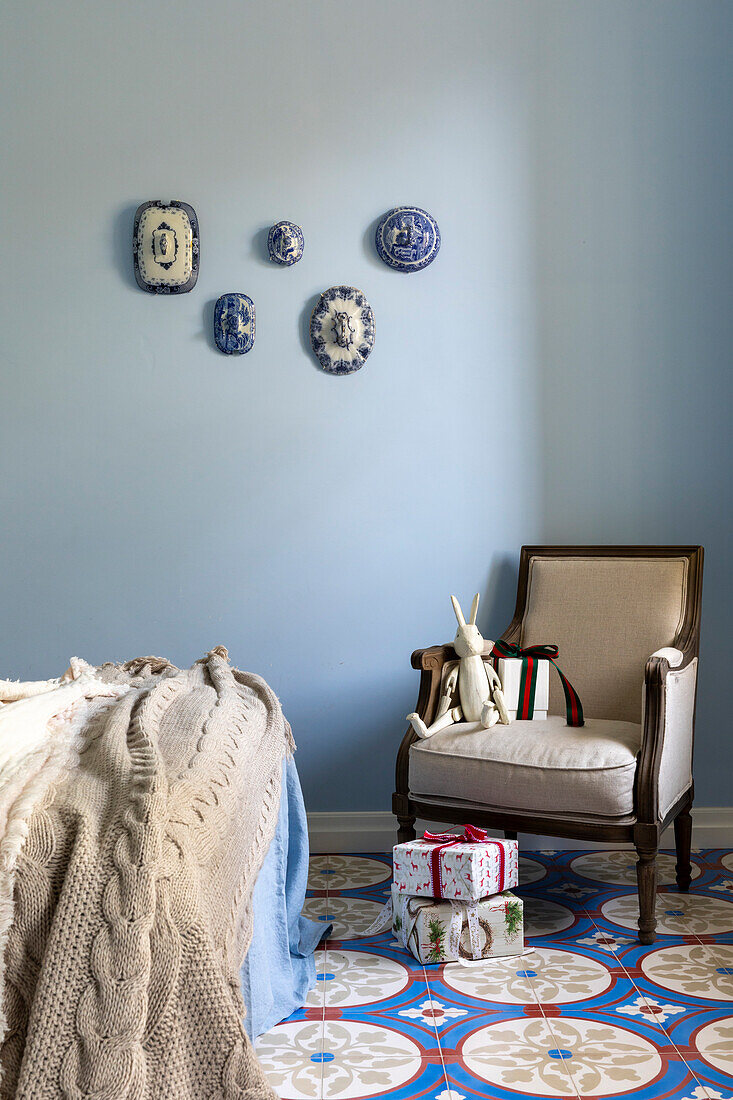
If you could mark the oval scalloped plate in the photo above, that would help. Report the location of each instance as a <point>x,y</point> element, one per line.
<point>342,329</point>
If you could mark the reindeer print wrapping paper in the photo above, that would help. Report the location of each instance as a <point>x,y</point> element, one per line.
<point>462,871</point>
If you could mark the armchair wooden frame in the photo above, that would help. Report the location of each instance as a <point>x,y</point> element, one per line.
<point>645,832</point>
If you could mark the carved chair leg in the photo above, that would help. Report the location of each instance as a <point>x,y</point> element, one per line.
<point>683,842</point>
<point>406,829</point>
<point>509,835</point>
<point>646,877</point>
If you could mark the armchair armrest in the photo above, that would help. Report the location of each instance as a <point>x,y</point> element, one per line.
<point>674,657</point>
<point>429,663</point>
<point>664,769</point>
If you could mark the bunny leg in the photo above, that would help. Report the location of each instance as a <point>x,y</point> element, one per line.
<point>489,715</point>
<point>441,723</point>
<point>500,704</point>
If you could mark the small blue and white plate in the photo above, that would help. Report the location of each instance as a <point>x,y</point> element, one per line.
<point>408,238</point>
<point>285,243</point>
<point>234,323</point>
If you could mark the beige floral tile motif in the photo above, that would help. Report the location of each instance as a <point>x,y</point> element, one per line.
<point>601,1058</point>
<point>725,886</point>
<point>564,977</point>
<point>290,1055</point>
<point>727,860</point>
<point>620,868</point>
<point>715,1043</point>
<point>350,978</point>
<point>677,914</point>
<point>547,975</point>
<point>694,970</point>
<point>316,997</point>
<point>541,916</point>
<point>500,980</point>
<point>345,872</point>
<point>705,1092</point>
<point>361,1059</point>
<point>530,870</point>
<point>518,1055</point>
<point>350,916</point>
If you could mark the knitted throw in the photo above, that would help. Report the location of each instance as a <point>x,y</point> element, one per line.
<point>132,892</point>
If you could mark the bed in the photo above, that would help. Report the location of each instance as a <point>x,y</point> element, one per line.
<point>153,827</point>
<point>279,969</point>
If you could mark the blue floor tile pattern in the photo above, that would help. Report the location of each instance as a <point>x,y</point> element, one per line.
<point>590,1013</point>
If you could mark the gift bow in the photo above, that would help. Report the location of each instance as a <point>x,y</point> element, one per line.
<point>471,835</point>
<point>530,655</point>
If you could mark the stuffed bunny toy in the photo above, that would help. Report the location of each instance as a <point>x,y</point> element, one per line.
<point>479,687</point>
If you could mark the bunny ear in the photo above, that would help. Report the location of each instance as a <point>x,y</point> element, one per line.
<point>457,609</point>
<point>474,610</point>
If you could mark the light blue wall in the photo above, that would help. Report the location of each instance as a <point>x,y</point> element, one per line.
<point>158,497</point>
<point>634,217</point>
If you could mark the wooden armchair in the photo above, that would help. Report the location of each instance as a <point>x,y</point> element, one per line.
<point>627,621</point>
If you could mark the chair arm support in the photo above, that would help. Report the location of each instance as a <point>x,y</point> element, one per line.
<point>429,662</point>
<point>655,722</point>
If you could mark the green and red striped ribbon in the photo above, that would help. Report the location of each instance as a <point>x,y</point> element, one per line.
<point>528,683</point>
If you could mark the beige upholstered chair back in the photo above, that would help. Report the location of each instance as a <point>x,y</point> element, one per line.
<point>607,615</point>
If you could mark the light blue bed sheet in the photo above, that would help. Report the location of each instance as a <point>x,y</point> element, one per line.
<point>279,968</point>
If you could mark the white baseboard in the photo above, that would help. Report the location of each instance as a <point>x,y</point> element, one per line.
<point>712,827</point>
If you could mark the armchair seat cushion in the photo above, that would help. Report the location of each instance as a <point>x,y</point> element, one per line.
<point>531,767</point>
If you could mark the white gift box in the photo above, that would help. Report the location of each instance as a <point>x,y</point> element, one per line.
<point>510,674</point>
<point>466,872</point>
<point>437,931</point>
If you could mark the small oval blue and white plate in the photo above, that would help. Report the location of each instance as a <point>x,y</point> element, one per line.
<point>285,243</point>
<point>234,323</point>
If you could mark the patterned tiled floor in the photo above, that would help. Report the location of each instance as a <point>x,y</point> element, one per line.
<point>590,1013</point>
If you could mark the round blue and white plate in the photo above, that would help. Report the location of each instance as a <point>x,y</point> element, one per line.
<point>408,238</point>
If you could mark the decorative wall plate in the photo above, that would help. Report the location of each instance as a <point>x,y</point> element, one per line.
<point>342,329</point>
<point>234,323</point>
<point>285,243</point>
<point>408,238</point>
<point>165,246</point>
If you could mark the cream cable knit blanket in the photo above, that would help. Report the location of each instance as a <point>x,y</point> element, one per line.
<point>133,833</point>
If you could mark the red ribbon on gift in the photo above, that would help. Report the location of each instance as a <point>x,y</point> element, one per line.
<point>471,835</point>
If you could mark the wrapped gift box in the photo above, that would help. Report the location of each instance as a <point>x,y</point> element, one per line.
<point>463,871</point>
<point>510,674</point>
<point>438,931</point>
